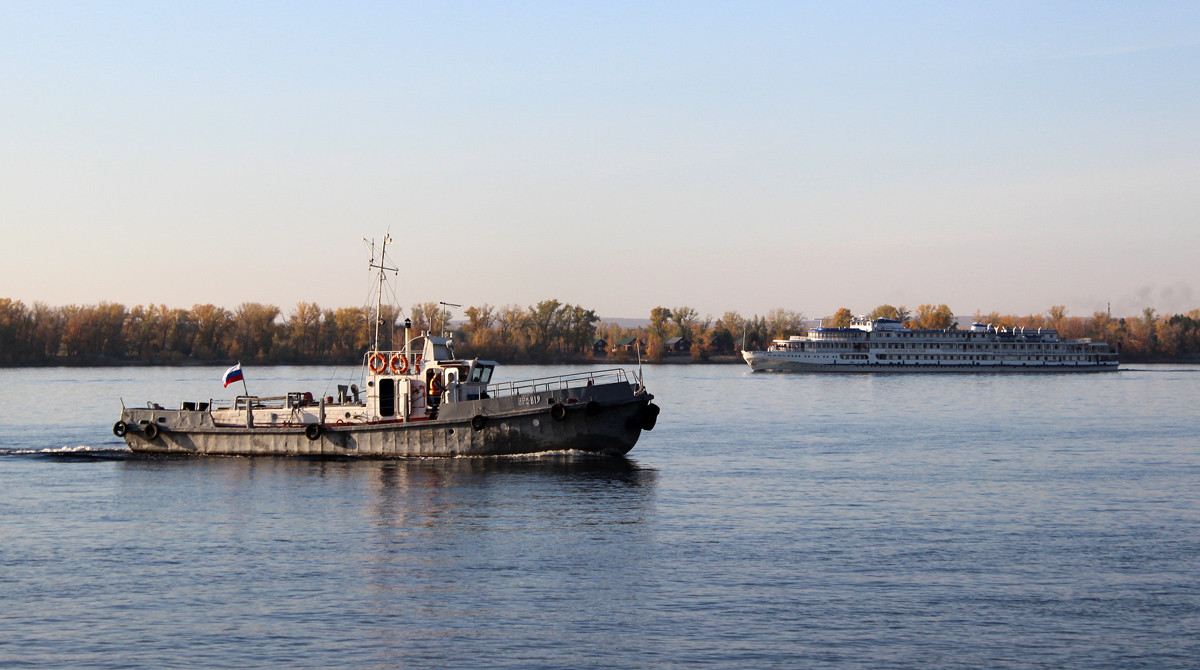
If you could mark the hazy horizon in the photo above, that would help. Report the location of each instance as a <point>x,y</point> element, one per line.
<point>1004,157</point>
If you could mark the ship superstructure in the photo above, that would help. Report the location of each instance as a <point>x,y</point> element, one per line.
<point>885,345</point>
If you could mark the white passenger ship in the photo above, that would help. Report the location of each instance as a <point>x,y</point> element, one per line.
<point>885,345</point>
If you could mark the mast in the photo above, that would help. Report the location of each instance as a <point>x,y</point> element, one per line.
<point>382,267</point>
<point>446,315</point>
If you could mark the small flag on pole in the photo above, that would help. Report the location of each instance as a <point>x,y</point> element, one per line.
<point>233,374</point>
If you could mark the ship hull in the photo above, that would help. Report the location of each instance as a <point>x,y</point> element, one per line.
<point>612,427</point>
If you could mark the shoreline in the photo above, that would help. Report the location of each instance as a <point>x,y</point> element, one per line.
<point>94,363</point>
<point>1193,359</point>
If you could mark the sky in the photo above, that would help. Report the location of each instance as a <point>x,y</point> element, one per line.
<point>1003,156</point>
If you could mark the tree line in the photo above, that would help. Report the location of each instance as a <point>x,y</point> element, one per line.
<point>38,334</point>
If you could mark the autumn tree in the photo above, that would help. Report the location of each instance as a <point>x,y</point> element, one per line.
<point>758,333</point>
<point>542,323</point>
<point>886,311</point>
<point>14,325</point>
<point>345,332</point>
<point>212,331</point>
<point>142,328</point>
<point>841,318</point>
<point>660,318</point>
<point>1056,317</point>
<point>578,328</point>
<point>782,323</point>
<point>656,348</point>
<point>253,330</point>
<point>726,331</point>
<point>685,322</point>
<point>429,317</point>
<point>933,317</point>
<point>478,329</point>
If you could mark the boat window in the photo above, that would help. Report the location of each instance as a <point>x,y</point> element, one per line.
<point>387,397</point>
<point>482,374</point>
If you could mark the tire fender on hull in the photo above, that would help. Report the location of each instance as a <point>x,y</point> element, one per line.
<point>648,416</point>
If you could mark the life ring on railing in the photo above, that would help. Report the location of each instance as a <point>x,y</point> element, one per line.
<point>377,363</point>
<point>435,385</point>
<point>398,364</point>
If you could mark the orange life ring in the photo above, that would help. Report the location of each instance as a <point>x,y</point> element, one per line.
<point>398,364</point>
<point>377,363</point>
<point>435,385</point>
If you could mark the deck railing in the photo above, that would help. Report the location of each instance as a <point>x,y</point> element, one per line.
<point>559,382</point>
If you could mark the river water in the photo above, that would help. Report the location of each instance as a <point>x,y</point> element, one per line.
<point>769,521</point>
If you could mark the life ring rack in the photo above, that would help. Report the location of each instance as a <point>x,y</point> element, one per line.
<point>377,363</point>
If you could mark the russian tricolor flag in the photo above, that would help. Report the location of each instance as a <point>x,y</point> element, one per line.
<point>233,374</point>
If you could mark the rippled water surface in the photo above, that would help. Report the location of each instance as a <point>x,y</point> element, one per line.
<point>1041,521</point>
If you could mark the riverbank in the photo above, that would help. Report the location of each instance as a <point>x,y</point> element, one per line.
<point>735,359</point>
<point>69,362</point>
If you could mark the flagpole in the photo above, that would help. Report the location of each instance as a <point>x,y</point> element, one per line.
<point>243,380</point>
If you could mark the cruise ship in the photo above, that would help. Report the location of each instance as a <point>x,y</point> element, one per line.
<point>885,345</point>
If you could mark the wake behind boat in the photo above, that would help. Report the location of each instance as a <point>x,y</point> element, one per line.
<point>885,345</point>
<point>418,401</point>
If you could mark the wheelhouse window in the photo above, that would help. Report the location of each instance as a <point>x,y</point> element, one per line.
<point>482,374</point>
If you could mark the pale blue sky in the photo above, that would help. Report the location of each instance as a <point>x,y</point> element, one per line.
<point>1005,156</point>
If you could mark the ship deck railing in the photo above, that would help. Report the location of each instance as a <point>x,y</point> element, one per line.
<point>557,383</point>
<point>289,401</point>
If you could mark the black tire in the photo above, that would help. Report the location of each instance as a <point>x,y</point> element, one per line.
<point>120,428</point>
<point>151,430</point>
<point>313,432</point>
<point>648,416</point>
<point>479,422</point>
<point>593,408</point>
<point>558,412</point>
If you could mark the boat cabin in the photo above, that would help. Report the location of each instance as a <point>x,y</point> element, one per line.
<point>410,386</point>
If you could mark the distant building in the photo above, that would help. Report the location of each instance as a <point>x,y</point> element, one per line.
<point>630,343</point>
<point>599,346</point>
<point>678,344</point>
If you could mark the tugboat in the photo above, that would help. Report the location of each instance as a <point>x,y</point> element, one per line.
<point>420,401</point>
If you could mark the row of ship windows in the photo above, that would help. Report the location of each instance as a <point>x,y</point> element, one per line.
<point>879,334</point>
<point>968,357</point>
<point>906,345</point>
